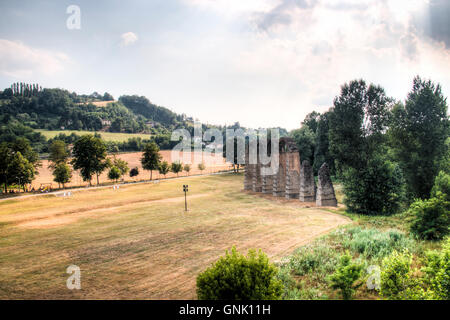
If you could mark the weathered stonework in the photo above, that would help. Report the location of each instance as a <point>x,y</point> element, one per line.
<point>325,190</point>
<point>248,175</point>
<point>257,182</point>
<point>292,174</point>
<point>267,181</point>
<point>307,183</point>
<point>279,180</point>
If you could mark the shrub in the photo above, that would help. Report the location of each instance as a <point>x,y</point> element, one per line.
<point>431,217</point>
<point>134,172</point>
<point>396,275</point>
<point>237,277</point>
<point>441,185</point>
<point>376,189</point>
<point>318,258</point>
<point>437,271</point>
<point>373,243</point>
<point>345,276</point>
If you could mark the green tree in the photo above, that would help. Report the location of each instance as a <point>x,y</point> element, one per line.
<point>345,276</point>
<point>201,167</point>
<point>239,277</point>
<point>58,153</point>
<point>312,121</point>
<point>305,139</point>
<point>89,156</point>
<point>378,189</point>
<point>18,163</point>
<point>418,133</point>
<point>151,158</point>
<point>122,165</point>
<point>164,168</point>
<point>62,173</point>
<point>114,173</point>
<point>134,172</point>
<point>22,171</point>
<point>176,167</point>
<point>357,123</point>
<point>322,153</point>
<point>431,218</point>
<point>187,168</point>
<point>6,156</point>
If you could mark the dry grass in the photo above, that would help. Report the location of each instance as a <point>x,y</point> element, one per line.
<point>138,242</point>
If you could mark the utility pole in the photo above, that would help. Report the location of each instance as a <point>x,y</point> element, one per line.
<point>185,189</point>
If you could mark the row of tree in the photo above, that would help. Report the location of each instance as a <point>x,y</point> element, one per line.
<point>385,152</point>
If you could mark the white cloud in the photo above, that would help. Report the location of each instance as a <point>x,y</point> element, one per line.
<point>128,38</point>
<point>21,61</point>
<point>301,51</point>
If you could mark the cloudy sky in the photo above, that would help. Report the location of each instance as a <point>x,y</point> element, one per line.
<point>260,62</point>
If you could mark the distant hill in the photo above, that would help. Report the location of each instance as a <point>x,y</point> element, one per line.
<point>59,109</point>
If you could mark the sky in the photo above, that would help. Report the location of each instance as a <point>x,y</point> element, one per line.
<point>264,63</point>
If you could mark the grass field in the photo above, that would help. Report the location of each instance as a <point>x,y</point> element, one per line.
<point>138,242</point>
<point>108,136</point>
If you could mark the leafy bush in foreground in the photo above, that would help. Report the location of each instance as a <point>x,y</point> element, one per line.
<point>396,275</point>
<point>345,277</point>
<point>237,277</point>
<point>431,217</point>
<point>437,271</point>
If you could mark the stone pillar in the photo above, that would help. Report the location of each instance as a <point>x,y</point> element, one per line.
<point>307,183</point>
<point>248,175</point>
<point>257,183</point>
<point>292,175</point>
<point>279,180</point>
<point>267,181</point>
<point>325,190</point>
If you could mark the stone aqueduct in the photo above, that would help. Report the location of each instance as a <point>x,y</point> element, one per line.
<point>294,180</point>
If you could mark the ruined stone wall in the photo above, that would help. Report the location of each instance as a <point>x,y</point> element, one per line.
<point>292,175</point>
<point>325,191</point>
<point>279,180</point>
<point>307,183</point>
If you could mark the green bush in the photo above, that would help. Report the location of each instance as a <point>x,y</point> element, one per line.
<point>345,276</point>
<point>373,243</point>
<point>376,189</point>
<point>237,277</point>
<point>437,271</point>
<point>396,275</point>
<point>317,258</point>
<point>431,218</point>
<point>441,185</point>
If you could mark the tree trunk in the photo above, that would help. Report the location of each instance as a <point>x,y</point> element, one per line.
<point>151,175</point>
<point>97,179</point>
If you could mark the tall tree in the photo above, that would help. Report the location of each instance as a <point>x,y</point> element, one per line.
<point>357,123</point>
<point>151,158</point>
<point>58,153</point>
<point>305,139</point>
<point>418,133</point>
<point>89,154</point>
<point>322,152</point>
<point>312,120</point>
